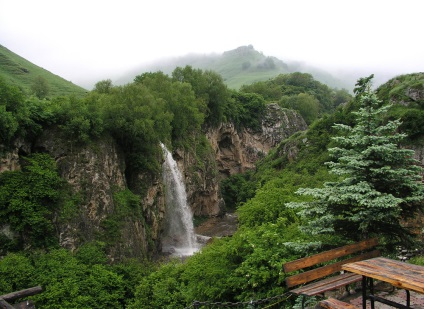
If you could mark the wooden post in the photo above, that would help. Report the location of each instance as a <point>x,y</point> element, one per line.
<point>22,293</point>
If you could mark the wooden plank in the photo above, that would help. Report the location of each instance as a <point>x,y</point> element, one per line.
<point>327,284</point>
<point>22,293</point>
<point>399,274</point>
<point>327,270</point>
<point>5,305</point>
<point>329,255</point>
<point>332,303</point>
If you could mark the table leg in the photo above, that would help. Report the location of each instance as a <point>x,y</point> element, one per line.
<point>364,292</point>
<point>371,282</point>
<point>408,299</point>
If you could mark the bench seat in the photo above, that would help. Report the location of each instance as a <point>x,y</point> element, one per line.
<point>332,303</point>
<point>327,284</point>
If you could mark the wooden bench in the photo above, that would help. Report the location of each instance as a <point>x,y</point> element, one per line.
<point>315,279</point>
<point>332,303</point>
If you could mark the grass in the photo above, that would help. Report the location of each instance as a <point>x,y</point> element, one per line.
<point>244,66</point>
<point>22,73</point>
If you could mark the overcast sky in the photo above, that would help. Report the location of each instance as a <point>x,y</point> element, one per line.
<point>85,41</point>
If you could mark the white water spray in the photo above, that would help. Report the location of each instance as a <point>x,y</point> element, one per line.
<point>179,238</point>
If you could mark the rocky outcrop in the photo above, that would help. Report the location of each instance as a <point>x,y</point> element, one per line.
<point>95,172</point>
<point>232,151</point>
<point>201,182</point>
<point>237,151</point>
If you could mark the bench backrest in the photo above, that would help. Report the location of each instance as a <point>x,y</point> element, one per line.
<point>327,256</point>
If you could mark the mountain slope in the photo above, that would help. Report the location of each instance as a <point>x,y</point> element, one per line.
<point>241,66</point>
<point>22,73</point>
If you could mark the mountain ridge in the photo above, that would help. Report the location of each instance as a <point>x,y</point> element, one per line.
<point>240,66</point>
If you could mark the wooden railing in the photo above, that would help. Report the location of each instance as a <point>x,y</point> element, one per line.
<point>11,297</point>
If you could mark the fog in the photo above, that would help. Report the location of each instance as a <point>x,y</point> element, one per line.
<point>87,41</point>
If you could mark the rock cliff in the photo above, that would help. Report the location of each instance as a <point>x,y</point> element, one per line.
<point>95,173</point>
<point>234,151</point>
<point>237,150</point>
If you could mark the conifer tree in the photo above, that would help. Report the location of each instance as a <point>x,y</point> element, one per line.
<point>380,182</point>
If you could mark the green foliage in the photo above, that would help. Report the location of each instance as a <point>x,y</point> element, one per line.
<point>16,273</point>
<point>28,200</point>
<point>268,205</point>
<point>138,121</point>
<point>91,254</point>
<point>161,289</point>
<point>127,208</point>
<point>247,110</point>
<point>40,87</point>
<point>400,89</point>
<point>188,112</point>
<point>80,119</point>
<point>237,189</point>
<point>11,101</point>
<point>379,182</point>
<point>209,87</point>
<point>8,125</point>
<point>103,86</point>
<point>405,92</point>
<point>21,116</point>
<point>306,104</point>
<point>292,85</point>
<point>244,267</point>
<point>81,281</point>
<point>70,284</point>
<point>417,260</point>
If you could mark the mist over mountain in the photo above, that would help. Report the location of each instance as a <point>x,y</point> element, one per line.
<point>246,65</point>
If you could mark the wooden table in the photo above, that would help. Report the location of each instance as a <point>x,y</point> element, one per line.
<point>399,274</point>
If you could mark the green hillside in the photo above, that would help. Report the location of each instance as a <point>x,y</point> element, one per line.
<point>241,66</point>
<point>22,73</point>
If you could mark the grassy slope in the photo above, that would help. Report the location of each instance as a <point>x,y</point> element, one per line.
<point>18,71</point>
<point>231,65</point>
<point>245,65</point>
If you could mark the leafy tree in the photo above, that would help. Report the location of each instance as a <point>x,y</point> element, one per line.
<point>306,104</point>
<point>8,125</point>
<point>40,87</point>
<point>80,119</point>
<point>379,181</point>
<point>292,85</point>
<point>188,112</point>
<point>16,273</point>
<point>138,120</point>
<point>247,110</point>
<point>341,96</point>
<point>103,86</point>
<point>12,111</point>
<point>210,88</point>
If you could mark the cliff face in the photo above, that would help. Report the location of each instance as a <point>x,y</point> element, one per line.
<point>237,151</point>
<point>95,173</point>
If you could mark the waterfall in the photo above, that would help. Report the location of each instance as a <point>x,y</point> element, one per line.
<point>179,238</point>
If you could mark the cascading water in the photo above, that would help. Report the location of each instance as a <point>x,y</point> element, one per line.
<point>179,238</point>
